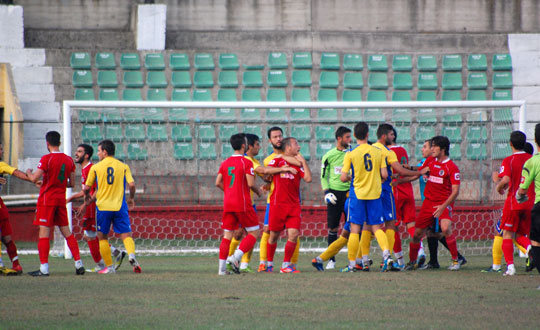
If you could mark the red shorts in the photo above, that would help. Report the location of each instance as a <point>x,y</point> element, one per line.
<point>405,210</point>
<point>516,221</point>
<point>425,218</point>
<point>232,220</point>
<point>89,224</point>
<point>49,216</point>
<point>5,227</point>
<point>282,216</point>
<point>4,214</point>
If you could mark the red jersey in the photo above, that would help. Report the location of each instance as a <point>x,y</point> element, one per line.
<point>57,168</point>
<point>286,185</point>
<point>442,175</point>
<point>512,166</point>
<point>403,190</point>
<point>234,170</point>
<point>90,209</point>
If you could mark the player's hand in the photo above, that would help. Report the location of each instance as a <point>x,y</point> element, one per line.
<point>439,209</point>
<point>289,169</point>
<point>300,158</point>
<point>521,198</point>
<point>501,190</point>
<point>80,210</point>
<point>330,198</point>
<point>3,180</point>
<point>265,187</point>
<point>268,178</point>
<point>39,183</point>
<point>130,203</point>
<point>424,171</point>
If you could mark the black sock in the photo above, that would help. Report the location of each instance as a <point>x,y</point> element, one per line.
<point>433,245</point>
<point>535,251</point>
<point>443,241</point>
<point>332,236</point>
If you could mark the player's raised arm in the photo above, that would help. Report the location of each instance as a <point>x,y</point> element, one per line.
<point>307,171</point>
<point>34,176</point>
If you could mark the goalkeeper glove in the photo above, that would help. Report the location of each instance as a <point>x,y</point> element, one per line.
<point>330,198</point>
<point>521,198</point>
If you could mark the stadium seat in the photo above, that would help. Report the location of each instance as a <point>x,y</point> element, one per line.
<point>476,95</point>
<point>501,62</point>
<point>401,115</point>
<point>424,132</point>
<point>402,63</point>
<point>276,114</point>
<point>377,63</point>
<point>451,95</point>
<point>426,63</point>
<point>226,131</point>
<point>452,80</point>
<point>401,96</point>
<point>418,150</point>
<point>251,114</point>
<point>351,95</point>
<point>181,79</point>
<point>107,79</point>
<point>203,79</point>
<point>452,116</point>
<point>132,79</point>
<point>329,79</point>
<point>82,78</point>
<point>253,66</point>
<point>157,79</point>
<point>402,81</point>
<point>330,61</point>
<point>327,95</point>
<point>322,149</point>
<point>302,60</point>
<point>501,95</point>
<point>134,115</point>
<point>207,133</point>
<point>427,81</point>
<point>305,150</point>
<point>225,114</point>
<point>181,133</point>
<point>207,151</point>
<point>154,62</point>
<point>300,114</point>
<point>178,115</point>
<point>477,80</point>
<point>426,96</point>
<point>252,79</point>
<point>452,63</point>
<point>501,150</point>
<point>501,133</point>
<point>179,61</point>
<point>477,62</point>
<point>301,78</point>
<point>301,132</point>
<point>353,80</point>
<point>89,116</point>
<point>353,62</point>
<point>477,116</point>
<point>476,151</point>
<point>156,94</point>
<point>455,151</point>
<point>204,61</point>
<point>80,61</point>
<point>108,94</point>
<point>91,133</point>
<point>378,80</point>
<point>426,116</point>
<point>228,61</point>
<point>202,95</point>
<point>324,133</point>
<point>476,133</point>
<point>114,133</point>
<point>136,152</point>
<point>118,152</point>
<point>277,78</point>
<point>502,80</point>
<point>183,151</point>
<point>153,115</point>
<point>157,133</point>
<point>351,114</point>
<point>111,116</point>
<point>227,95</point>
<point>504,114</point>
<point>253,129</point>
<point>373,116</point>
<point>452,132</point>
<point>105,61</point>
<point>376,96</point>
<point>277,61</point>
<point>181,95</point>
<point>130,61</point>
<point>228,79</point>
<point>84,94</point>
<point>226,150</point>
<point>403,133</point>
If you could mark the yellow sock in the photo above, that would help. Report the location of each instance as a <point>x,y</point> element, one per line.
<point>246,258</point>
<point>359,253</point>
<point>353,245</point>
<point>334,248</point>
<point>381,239</point>
<point>105,251</point>
<point>263,246</point>
<point>497,251</point>
<point>365,242</point>
<point>391,237</point>
<point>521,248</point>
<point>129,244</point>
<point>233,246</point>
<point>294,258</point>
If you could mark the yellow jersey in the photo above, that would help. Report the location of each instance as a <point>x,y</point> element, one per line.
<point>6,169</point>
<point>390,158</point>
<point>112,176</point>
<point>267,161</point>
<point>365,162</point>
<point>256,164</point>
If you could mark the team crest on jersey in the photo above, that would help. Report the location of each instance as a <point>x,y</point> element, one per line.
<point>441,172</point>
<point>272,162</point>
<point>457,177</point>
<point>522,180</point>
<point>501,170</point>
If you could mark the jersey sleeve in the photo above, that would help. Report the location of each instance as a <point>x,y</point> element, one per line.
<point>425,164</point>
<point>43,164</point>
<point>384,159</point>
<point>250,170</point>
<point>128,176</point>
<point>527,174</point>
<point>91,179</point>
<point>5,168</point>
<point>505,168</point>
<point>455,178</point>
<point>391,157</point>
<point>346,163</point>
<point>301,172</point>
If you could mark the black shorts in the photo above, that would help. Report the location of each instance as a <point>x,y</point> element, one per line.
<point>334,212</point>
<point>535,223</point>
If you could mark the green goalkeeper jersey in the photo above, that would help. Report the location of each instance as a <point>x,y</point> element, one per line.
<point>530,173</point>
<point>332,162</point>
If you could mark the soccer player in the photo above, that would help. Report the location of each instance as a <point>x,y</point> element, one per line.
<point>335,191</point>
<point>112,176</point>
<point>58,172</point>
<point>441,191</point>
<point>83,154</point>
<point>285,211</point>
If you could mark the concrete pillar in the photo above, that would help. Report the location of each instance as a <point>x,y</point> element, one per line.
<point>11,27</point>
<point>150,27</point>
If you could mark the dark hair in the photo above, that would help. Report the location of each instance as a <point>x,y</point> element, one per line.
<point>342,130</point>
<point>361,130</point>
<point>274,128</point>
<point>237,140</point>
<point>108,146</point>
<point>383,130</point>
<point>53,138</point>
<point>442,142</point>
<point>251,139</point>
<point>430,141</point>
<point>88,150</point>
<point>518,140</point>
<point>395,134</point>
<point>528,148</point>
<point>287,141</point>
<point>537,134</point>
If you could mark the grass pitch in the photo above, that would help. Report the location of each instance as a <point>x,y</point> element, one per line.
<point>186,292</point>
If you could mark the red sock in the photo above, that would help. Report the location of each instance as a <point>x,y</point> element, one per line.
<point>397,243</point>
<point>73,247</point>
<point>452,246</point>
<point>44,246</point>
<point>523,241</point>
<point>224,249</point>
<point>508,250</point>
<point>289,250</point>
<point>413,251</point>
<point>411,231</point>
<point>247,243</point>
<point>271,251</point>
<point>12,252</point>
<point>94,249</point>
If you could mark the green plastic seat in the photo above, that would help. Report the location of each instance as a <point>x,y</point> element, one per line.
<point>179,61</point>
<point>154,62</point>
<point>451,95</point>
<point>452,80</point>
<point>132,79</point>
<point>228,79</point>
<point>373,115</point>
<point>401,115</point>
<point>452,116</point>
<point>324,133</point>
<point>181,95</point>
<point>134,115</point>
<point>327,95</point>
<point>353,80</point>
<point>204,61</point>
<point>502,80</point>
<point>226,150</point>
<point>177,115</point>
<point>136,152</point>
<point>477,62</point>
<point>426,63</point>
<point>305,150</point>
<point>351,114</point>
<point>426,96</point>
<point>301,78</point>
<point>504,114</point>
<point>452,132</point>
<point>207,133</point>
<point>131,94</point>
<point>477,80</point>
<point>377,63</point>
<point>156,94</point>
<point>130,61</point>
<point>153,115</point>
<point>404,133</point>
<point>329,79</point>
<point>476,95</point>
<point>427,81</point>
<point>426,116</point>
<point>378,80</point>
<point>84,94</point>
<point>107,79</point>
<point>418,150</point>
<point>277,61</point>
<point>91,133</point>
<point>202,95</point>
<point>501,150</point>
<point>501,133</point>
<point>183,151</point>
<point>376,96</point>
<point>402,81</point>
<point>181,79</point>
<point>225,114</point>
<point>89,116</point>
<point>300,95</point>
<point>353,62</point>
<point>156,79</point>
<point>351,95</point>
<point>476,151</point>
<point>501,95</point>
<point>276,114</point>
<point>227,95</point>
<point>114,133</point>
<point>111,115</point>
<point>226,131</point>
<point>330,61</point>
<point>207,151</point>
<point>108,94</point>
<point>251,114</point>
<point>401,96</point>
<point>181,133</point>
<point>228,61</point>
<point>455,151</point>
<point>105,61</point>
<point>252,79</point>
<point>402,63</point>
<point>118,152</point>
<point>80,61</point>
<point>302,60</point>
<point>501,62</point>
<point>253,129</point>
<point>452,63</point>
<point>424,132</point>
<point>157,133</point>
<point>322,149</point>
<point>301,132</point>
<point>82,78</point>
<point>277,78</point>
<point>477,133</point>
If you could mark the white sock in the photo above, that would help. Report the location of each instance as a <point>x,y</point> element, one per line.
<point>101,264</point>
<point>511,267</point>
<point>319,259</point>
<point>496,267</point>
<point>285,264</point>
<point>352,263</point>
<point>114,251</point>
<point>399,254</point>
<point>78,263</point>
<point>385,254</point>
<point>365,261</point>
<point>131,256</point>
<point>421,251</point>
<point>244,265</point>
<point>222,265</point>
<point>359,261</point>
<point>262,262</point>
<point>238,254</point>
<point>270,264</point>
<point>44,268</point>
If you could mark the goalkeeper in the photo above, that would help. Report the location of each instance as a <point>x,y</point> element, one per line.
<point>335,191</point>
